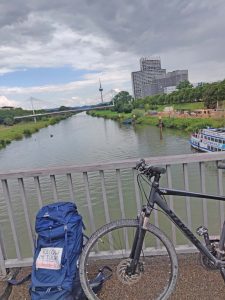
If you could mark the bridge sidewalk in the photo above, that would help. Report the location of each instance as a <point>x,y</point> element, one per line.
<point>194,283</point>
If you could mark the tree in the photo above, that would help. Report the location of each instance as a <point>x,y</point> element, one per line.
<point>210,96</point>
<point>8,121</point>
<point>147,107</point>
<point>62,108</point>
<point>184,84</point>
<point>123,102</point>
<point>220,93</point>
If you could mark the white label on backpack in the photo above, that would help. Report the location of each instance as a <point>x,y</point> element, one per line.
<point>49,258</point>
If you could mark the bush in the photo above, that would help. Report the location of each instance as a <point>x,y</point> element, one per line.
<point>138,113</point>
<point>53,121</point>
<point>2,143</point>
<point>127,108</point>
<point>18,136</point>
<point>27,132</point>
<point>8,121</point>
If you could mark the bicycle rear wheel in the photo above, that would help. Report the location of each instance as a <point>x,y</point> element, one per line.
<point>157,271</point>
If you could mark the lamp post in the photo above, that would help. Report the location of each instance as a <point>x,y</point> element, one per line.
<point>160,127</point>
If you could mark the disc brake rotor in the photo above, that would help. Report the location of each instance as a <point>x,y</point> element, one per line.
<point>125,278</point>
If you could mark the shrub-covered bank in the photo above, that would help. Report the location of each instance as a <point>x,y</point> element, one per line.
<point>187,124</point>
<point>20,130</point>
<point>108,114</point>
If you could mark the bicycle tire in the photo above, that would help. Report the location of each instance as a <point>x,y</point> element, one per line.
<point>110,228</point>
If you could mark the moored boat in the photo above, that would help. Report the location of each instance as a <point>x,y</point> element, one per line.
<point>209,140</point>
<point>128,121</point>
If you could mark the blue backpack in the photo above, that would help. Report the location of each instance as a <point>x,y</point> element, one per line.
<point>55,274</point>
<point>59,244</point>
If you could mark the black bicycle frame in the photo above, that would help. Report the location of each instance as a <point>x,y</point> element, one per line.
<point>156,198</point>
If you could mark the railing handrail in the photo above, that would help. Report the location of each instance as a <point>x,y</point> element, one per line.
<point>129,163</point>
<point>72,183</point>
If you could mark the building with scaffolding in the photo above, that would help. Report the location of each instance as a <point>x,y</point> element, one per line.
<point>152,79</point>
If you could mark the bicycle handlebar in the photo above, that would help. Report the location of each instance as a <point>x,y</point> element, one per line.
<point>148,170</point>
<point>142,167</point>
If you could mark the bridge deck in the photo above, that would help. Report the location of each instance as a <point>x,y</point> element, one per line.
<point>58,112</point>
<point>194,282</point>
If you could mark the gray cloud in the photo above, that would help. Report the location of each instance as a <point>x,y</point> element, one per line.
<point>140,26</point>
<point>112,35</point>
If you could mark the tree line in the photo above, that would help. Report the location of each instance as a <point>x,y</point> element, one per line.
<point>212,94</point>
<point>7,115</point>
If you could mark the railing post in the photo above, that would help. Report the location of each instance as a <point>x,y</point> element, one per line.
<point>11,217</point>
<point>220,192</point>
<point>203,190</point>
<point>2,257</point>
<point>187,199</point>
<point>169,180</point>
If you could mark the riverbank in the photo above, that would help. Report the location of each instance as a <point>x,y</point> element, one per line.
<point>24,129</point>
<point>188,124</point>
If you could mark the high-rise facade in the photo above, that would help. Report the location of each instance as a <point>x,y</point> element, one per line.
<point>152,79</point>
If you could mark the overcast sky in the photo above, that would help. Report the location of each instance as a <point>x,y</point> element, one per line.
<point>56,51</point>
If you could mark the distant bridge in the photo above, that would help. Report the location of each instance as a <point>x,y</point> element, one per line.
<point>63,111</point>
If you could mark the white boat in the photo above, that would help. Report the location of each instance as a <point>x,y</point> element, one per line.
<point>209,139</point>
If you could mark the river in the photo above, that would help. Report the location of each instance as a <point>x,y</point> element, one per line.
<point>83,139</point>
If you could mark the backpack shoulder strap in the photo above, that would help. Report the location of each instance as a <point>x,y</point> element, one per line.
<point>18,282</point>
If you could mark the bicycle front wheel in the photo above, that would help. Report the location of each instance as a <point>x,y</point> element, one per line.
<point>157,270</point>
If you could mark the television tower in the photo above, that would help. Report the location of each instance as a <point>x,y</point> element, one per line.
<point>101,90</point>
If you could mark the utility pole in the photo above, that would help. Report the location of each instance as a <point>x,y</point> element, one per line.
<point>101,90</point>
<point>160,127</point>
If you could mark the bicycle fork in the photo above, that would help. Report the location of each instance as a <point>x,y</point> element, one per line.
<point>138,242</point>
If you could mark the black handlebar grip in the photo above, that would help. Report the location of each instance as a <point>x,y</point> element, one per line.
<point>158,170</point>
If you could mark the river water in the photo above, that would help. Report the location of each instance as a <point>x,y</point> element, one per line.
<point>82,139</point>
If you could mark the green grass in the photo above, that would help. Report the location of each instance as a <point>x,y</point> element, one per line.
<point>18,131</point>
<point>187,124</point>
<point>183,106</point>
<point>108,114</point>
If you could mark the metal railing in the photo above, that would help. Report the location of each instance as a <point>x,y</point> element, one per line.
<point>103,192</point>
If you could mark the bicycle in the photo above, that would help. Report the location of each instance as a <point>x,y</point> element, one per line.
<point>136,273</point>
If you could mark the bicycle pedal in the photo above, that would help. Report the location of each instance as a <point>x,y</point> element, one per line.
<point>202,230</point>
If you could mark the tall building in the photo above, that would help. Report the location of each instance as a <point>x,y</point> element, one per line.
<point>152,79</point>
